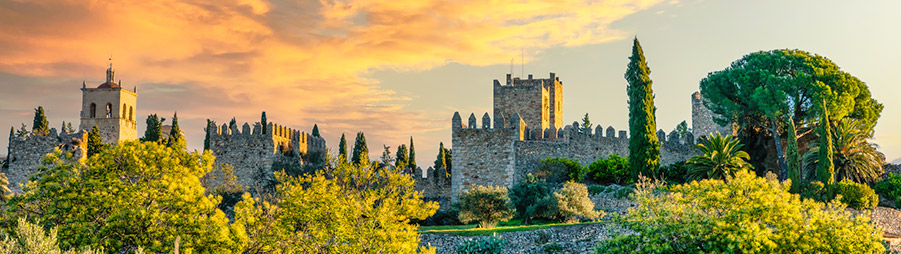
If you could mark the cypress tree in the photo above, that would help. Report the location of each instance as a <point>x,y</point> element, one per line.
<point>176,140</point>
<point>411,160</point>
<point>644,148</point>
<point>441,161</point>
<point>12,131</point>
<point>262,122</point>
<point>361,151</point>
<point>40,126</point>
<point>154,131</point>
<point>401,161</point>
<point>95,144</point>
<point>825,166</point>
<point>793,158</point>
<point>342,150</point>
<point>316,131</point>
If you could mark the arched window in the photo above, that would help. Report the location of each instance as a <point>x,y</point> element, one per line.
<point>109,110</point>
<point>131,113</point>
<point>93,110</point>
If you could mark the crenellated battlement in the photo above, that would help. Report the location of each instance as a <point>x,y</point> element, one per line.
<point>27,149</point>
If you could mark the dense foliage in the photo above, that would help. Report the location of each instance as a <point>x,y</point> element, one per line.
<point>29,238</point>
<point>854,158</point>
<point>95,143</point>
<point>411,161</point>
<point>485,245</point>
<point>644,148</point>
<point>676,172</point>
<point>361,151</point>
<point>443,162</point>
<point>890,188</point>
<point>721,157</point>
<point>572,203</point>
<point>528,198</point>
<point>176,139</point>
<point>342,150</point>
<point>40,125</point>
<point>856,195</point>
<point>315,131</point>
<point>401,160</point>
<point>742,214</point>
<point>613,169</point>
<point>154,130</point>
<point>763,90</point>
<point>485,205</point>
<point>557,170</point>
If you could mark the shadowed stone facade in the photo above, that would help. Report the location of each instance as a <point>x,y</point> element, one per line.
<point>25,153</point>
<point>503,153</point>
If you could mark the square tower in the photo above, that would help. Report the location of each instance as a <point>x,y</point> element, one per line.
<point>110,108</point>
<point>539,102</point>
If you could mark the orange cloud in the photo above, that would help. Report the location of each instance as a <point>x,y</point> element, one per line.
<point>302,61</point>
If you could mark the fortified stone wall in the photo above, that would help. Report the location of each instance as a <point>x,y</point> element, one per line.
<point>539,102</point>
<point>503,156</point>
<point>702,123</point>
<point>25,152</point>
<point>254,152</point>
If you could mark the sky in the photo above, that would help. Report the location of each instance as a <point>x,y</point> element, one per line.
<point>400,69</point>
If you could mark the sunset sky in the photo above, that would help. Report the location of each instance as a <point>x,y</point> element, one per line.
<point>396,69</point>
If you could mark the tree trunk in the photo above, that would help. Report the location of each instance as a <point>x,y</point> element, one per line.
<point>780,155</point>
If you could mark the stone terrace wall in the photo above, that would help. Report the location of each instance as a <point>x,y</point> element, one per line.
<point>25,153</point>
<point>253,152</point>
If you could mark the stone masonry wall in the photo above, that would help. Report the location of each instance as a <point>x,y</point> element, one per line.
<point>539,102</point>
<point>25,153</point>
<point>485,154</point>
<point>253,152</point>
<point>702,123</point>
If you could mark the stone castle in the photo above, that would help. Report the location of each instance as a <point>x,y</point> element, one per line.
<point>528,128</point>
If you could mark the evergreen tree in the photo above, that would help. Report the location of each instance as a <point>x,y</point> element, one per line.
<point>826,168</point>
<point>361,151</point>
<point>69,127</point>
<point>644,148</point>
<point>154,131</point>
<point>411,160</point>
<point>176,139</point>
<point>386,157</point>
<point>263,122</point>
<point>210,125</point>
<point>792,156</point>
<point>401,161</point>
<point>586,123</point>
<point>441,161</point>
<point>234,124</point>
<point>40,126</point>
<point>316,131</point>
<point>95,144</point>
<point>342,150</point>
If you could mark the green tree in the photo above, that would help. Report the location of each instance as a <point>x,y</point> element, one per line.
<point>644,148</point>
<point>342,150</point>
<point>95,144</point>
<point>853,159</point>
<point>683,130</point>
<point>485,205</point>
<point>210,125</point>
<point>401,161</point>
<point>586,123</point>
<point>348,209</point>
<point>573,202</point>
<point>745,214</point>
<point>721,158</point>
<point>263,122</point>
<point>30,238</point>
<point>316,131</point>
<point>412,158</point>
<point>387,159</point>
<point>527,198</point>
<point>825,166</point>
<point>792,156</point>
<point>40,126</point>
<point>361,151</point>
<point>763,90</point>
<point>130,195</point>
<point>154,131</point>
<point>176,139</point>
<point>441,167</point>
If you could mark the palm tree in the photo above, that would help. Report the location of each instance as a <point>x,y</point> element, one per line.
<point>721,157</point>
<point>855,159</point>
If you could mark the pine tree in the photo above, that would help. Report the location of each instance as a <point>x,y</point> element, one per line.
<point>361,151</point>
<point>386,157</point>
<point>262,122</point>
<point>586,123</point>
<point>40,126</point>
<point>401,161</point>
<point>826,167</point>
<point>342,150</point>
<point>95,144</point>
<point>644,148</point>
<point>154,131</point>
<point>69,126</point>
<point>411,160</point>
<point>441,161</point>
<point>176,139</point>
<point>316,131</point>
<point>793,157</point>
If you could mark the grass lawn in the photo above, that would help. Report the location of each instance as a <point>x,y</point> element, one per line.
<point>509,226</point>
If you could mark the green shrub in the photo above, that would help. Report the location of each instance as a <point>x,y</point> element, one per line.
<point>613,169</point>
<point>675,173</point>
<point>816,191</point>
<point>526,197</point>
<point>485,245</point>
<point>573,202</point>
<point>552,248</point>
<point>746,214</point>
<point>558,170</point>
<point>486,205</point>
<point>595,189</point>
<point>31,238</point>
<point>890,188</point>
<point>856,195</point>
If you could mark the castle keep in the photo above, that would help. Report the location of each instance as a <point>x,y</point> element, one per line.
<point>527,128</point>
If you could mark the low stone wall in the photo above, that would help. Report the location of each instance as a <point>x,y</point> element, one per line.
<point>574,239</point>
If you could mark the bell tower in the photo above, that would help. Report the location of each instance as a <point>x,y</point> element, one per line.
<point>111,108</point>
